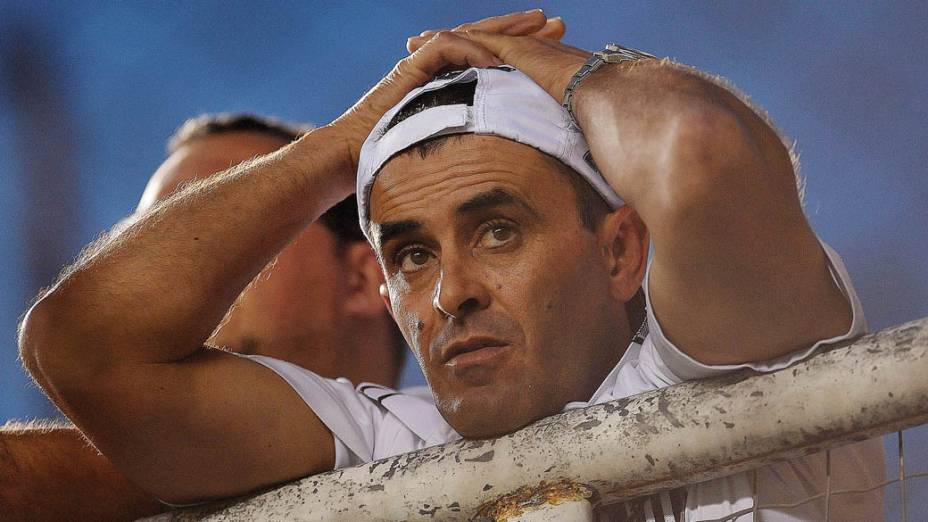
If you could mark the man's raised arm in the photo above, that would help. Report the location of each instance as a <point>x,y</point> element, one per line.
<point>714,182</point>
<point>117,342</point>
<point>738,274</point>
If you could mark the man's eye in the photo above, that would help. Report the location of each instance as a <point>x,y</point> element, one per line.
<point>413,259</point>
<point>496,236</point>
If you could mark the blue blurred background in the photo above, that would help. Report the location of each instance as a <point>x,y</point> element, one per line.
<point>90,91</point>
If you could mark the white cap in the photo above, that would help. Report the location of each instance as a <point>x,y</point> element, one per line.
<point>507,103</point>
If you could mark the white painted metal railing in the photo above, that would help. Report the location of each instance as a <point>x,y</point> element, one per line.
<point>559,467</point>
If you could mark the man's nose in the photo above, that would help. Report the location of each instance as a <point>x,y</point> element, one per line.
<point>458,292</point>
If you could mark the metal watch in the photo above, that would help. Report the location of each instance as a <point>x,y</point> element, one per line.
<point>612,53</point>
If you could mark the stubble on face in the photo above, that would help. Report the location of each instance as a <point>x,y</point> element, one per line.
<point>492,253</point>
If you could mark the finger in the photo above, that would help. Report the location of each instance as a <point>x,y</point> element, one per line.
<point>505,47</point>
<point>413,43</point>
<point>548,62</point>
<point>515,24</point>
<point>554,29</point>
<point>527,22</point>
<point>450,48</point>
<point>443,49</point>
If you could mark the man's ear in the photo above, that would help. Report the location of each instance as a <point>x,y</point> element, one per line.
<point>385,296</point>
<point>624,241</point>
<point>364,279</point>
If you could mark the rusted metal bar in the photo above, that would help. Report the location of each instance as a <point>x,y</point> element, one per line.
<point>631,447</point>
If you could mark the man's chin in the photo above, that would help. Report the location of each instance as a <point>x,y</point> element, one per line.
<point>485,413</point>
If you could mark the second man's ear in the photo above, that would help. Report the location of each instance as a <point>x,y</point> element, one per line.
<point>365,281</point>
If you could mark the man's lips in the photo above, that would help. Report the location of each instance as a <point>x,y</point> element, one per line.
<point>474,350</point>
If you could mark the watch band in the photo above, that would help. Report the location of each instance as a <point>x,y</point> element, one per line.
<point>611,53</point>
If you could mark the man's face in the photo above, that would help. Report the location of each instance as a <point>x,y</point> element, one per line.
<point>497,286</point>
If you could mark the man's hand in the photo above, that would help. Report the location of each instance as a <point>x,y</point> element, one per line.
<point>431,52</point>
<point>538,54</point>
<point>513,24</point>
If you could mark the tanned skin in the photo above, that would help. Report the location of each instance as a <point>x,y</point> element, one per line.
<point>49,471</point>
<point>317,306</point>
<point>711,181</point>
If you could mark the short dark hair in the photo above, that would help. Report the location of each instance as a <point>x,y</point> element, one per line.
<point>591,207</point>
<point>342,219</point>
<point>212,124</point>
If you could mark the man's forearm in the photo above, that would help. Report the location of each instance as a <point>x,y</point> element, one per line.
<point>153,292</point>
<point>52,473</point>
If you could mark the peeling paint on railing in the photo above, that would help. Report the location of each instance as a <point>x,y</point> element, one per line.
<point>627,448</point>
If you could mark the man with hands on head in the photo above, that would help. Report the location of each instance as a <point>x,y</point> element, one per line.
<point>316,306</point>
<point>512,265</point>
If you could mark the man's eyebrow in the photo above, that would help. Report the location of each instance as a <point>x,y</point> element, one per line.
<point>391,229</point>
<point>493,198</point>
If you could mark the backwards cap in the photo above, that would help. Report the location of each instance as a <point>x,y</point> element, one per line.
<point>507,103</point>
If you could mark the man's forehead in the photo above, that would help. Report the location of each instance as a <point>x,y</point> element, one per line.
<point>457,169</point>
<point>449,186</point>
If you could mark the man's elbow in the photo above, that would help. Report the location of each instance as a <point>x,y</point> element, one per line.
<point>34,329</point>
<point>47,347</point>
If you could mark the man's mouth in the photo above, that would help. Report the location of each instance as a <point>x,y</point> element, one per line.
<point>474,351</point>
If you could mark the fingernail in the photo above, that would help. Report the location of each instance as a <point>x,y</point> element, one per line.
<point>557,18</point>
<point>533,11</point>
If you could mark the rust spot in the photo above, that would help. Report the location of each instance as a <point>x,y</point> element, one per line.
<point>529,498</point>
